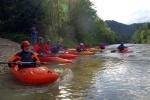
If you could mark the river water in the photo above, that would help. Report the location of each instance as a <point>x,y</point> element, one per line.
<point>102,76</point>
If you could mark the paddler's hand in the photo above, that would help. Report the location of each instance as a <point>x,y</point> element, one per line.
<point>35,53</point>
<point>19,62</point>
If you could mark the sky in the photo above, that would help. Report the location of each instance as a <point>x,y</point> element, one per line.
<point>123,11</point>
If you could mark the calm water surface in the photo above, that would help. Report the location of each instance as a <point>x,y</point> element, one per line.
<point>102,76</point>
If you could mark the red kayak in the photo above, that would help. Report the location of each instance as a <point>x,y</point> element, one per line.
<point>36,75</point>
<point>54,59</point>
<point>67,56</point>
<point>125,51</point>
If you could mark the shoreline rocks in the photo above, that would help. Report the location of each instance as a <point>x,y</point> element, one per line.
<point>8,48</point>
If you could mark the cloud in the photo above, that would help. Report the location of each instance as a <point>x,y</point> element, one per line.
<point>140,16</point>
<point>124,11</point>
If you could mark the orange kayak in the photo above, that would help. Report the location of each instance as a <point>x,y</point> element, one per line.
<point>36,75</point>
<point>85,53</point>
<point>73,51</point>
<point>90,49</point>
<point>54,59</point>
<point>67,56</point>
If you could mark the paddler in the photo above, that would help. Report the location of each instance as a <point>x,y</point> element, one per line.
<point>24,56</point>
<point>121,46</point>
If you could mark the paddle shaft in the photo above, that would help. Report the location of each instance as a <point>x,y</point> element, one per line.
<point>27,63</point>
<point>22,62</point>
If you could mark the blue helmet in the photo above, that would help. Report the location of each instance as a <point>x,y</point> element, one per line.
<point>58,41</point>
<point>48,40</point>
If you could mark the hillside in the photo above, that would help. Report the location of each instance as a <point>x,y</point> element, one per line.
<point>125,31</point>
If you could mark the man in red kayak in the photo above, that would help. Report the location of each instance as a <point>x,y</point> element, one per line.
<point>101,46</point>
<point>24,56</point>
<point>121,47</point>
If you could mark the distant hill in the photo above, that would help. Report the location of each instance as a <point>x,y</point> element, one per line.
<point>125,31</point>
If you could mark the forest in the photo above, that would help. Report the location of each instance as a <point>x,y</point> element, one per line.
<point>133,33</point>
<point>142,34</point>
<point>71,21</point>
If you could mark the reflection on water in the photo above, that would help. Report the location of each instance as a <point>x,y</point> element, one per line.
<point>103,76</point>
<point>125,77</point>
<point>73,79</point>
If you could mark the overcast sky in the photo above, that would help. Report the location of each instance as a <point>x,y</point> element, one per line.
<point>123,11</point>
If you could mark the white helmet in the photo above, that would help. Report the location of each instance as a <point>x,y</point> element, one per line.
<point>81,44</point>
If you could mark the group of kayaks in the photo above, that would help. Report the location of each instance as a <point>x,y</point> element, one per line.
<point>43,75</point>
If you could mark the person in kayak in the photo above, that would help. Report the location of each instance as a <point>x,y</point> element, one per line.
<point>121,47</point>
<point>55,49</point>
<point>47,46</point>
<point>24,56</point>
<point>101,46</point>
<point>39,48</point>
<point>80,48</point>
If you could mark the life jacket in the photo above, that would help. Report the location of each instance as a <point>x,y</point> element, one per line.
<point>55,49</point>
<point>47,48</point>
<point>84,46</point>
<point>79,49</point>
<point>39,49</point>
<point>121,47</point>
<point>26,57</point>
<point>102,47</point>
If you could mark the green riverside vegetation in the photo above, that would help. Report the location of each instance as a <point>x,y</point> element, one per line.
<point>71,21</point>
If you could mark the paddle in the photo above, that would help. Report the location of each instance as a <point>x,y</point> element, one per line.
<point>22,62</point>
<point>30,63</point>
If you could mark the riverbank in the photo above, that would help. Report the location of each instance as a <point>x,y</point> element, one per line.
<point>8,48</point>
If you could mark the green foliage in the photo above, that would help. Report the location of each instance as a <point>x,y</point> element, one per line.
<point>71,21</point>
<point>142,35</point>
<point>17,37</point>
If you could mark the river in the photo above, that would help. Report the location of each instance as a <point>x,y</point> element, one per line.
<point>102,76</point>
